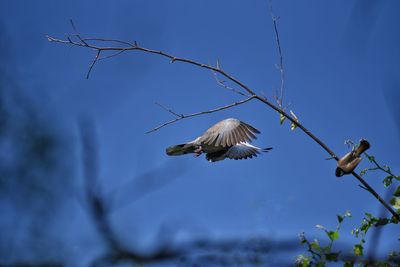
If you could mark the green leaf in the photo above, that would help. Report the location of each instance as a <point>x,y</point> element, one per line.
<point>386,168</point>
<point>371,158</point>
<point>388,180</point>
<point>397,192</point>
<point>348,264</point>
<point>333,235</point>
<point>364,226</point>
<point>355,232</point>
<point>395,202</point>
<point>358,250</point>
<point>303,261</point>
<point>293,126</point>
<point>315,245</point>
<point>340,218</point>
<point>302,238</point>
<point>282,118</point>
<point>364,171</point>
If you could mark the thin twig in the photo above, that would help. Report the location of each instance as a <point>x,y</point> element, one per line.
<point>170,110</point>
<point>223,84</point>
<point>112,55</point>
<point>280,65</point>
<point>181,116</point>
<point>96,58</point>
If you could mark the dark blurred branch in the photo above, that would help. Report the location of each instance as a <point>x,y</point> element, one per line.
<point>92,43</point>
<point>34,264</point>
<point>99,209</point>
<point>200,250</point>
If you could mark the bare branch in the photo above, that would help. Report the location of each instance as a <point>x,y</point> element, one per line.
<point>130,47</point>
<point>280,64</point>
<point>135,46</point>
<point>181,116</point>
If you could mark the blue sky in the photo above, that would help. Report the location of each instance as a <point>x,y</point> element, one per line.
<point>341,61</point>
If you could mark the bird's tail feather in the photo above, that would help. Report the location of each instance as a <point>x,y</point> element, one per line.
<point>364,145</point>
<point>181,149</point>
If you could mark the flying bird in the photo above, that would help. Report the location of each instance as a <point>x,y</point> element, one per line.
<point>228,138</point>
<point>349,162</point>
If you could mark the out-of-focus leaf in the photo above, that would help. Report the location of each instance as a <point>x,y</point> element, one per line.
<point>394,220</point>
<point>397,192</point>
<point>293,126</point>
<point>395,202</point>
<point>303,261</point>
<point>333,235</point>
<point>363,172</point>
<point>358,250</point>
<point>282,118</point>
<point>388,180</point>
<point>315,245</point>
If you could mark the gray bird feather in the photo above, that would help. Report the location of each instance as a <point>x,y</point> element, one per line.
<point>228,138</point>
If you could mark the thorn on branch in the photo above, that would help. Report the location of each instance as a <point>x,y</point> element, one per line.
<point>363,187</point>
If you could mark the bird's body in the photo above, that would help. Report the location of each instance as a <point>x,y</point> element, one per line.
<point>227,139</point>
<point>349,162</point>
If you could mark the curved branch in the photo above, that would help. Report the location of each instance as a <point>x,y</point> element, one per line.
<point>88,43</point>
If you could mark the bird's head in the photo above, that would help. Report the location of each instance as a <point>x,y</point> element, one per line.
<point>339,172</point>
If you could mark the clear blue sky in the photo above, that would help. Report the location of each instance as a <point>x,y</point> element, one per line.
<point>342,61</point>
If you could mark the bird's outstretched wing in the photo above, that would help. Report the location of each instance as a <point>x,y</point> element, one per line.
<point>240,151</point>
<point>244,151</point>
<point>228,133</point>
